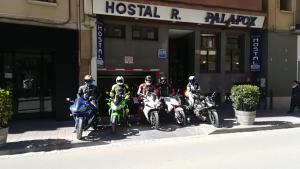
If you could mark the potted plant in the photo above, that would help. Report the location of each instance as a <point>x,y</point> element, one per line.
<point>245,99</point>
<point>5,111</point>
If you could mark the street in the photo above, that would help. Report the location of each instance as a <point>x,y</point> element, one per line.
<point>276,149</point>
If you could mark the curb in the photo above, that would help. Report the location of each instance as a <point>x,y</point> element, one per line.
<point>239,130</point>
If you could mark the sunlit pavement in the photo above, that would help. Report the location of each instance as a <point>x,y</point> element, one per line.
<point>48,135</point>
<point>269,149</point>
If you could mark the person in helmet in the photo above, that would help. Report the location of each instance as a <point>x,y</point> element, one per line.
<point>89,91</point>
<point>146,87</point>
<point>143,90</point>
<point>192,88</point>
<point>121,89</point>
<point>163,88</point>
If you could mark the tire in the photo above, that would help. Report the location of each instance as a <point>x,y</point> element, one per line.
<point>114,124</point>
<point>214,118</point>
<point>154,119</point>
<point>180,117</point>
<point>79,128</point>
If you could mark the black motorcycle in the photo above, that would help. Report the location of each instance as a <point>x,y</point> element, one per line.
<point>204,108</point>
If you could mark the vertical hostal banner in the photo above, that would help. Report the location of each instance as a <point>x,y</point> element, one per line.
<point>256,42</point>
<point>100,44</point>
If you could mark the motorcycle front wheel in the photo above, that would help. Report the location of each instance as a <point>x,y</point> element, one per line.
<point>114,124</point>
<point>154,119</point>
<point>79,128</point>
<point>214,118</point>
<point>180,117</point>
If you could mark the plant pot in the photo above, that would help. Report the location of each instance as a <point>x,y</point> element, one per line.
<point>245,117</point>
<point>3,136</point>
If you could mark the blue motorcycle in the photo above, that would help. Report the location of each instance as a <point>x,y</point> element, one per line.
<point>84,114</point>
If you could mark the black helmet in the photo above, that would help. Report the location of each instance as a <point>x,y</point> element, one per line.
<point>163,80</point>
<point>148,80</point>
<point>192,79</point>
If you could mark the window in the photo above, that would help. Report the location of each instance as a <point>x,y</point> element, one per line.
<point>209,60</point>
<point>234,54</point>
<point>51,1</point>
<point>286,5</point>
<point>114,31</point>
<point>144,33</point>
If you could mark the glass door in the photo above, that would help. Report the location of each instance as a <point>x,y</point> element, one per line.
<point>33,79</point>
<point>28,82</point>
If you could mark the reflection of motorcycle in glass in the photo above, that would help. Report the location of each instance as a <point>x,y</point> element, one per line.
<point>84,115</point>
<point>151,109</point>
<point>204,108</point>
<point>173,105</point>
<point>117,108</point>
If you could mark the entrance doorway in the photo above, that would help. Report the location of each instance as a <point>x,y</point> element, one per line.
<point>30,75</point>
<point>181,56</point>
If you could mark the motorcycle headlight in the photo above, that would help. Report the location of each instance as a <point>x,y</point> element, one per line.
<point>114,107</point>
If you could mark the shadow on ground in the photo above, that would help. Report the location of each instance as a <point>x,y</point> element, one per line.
<point>22,126</point>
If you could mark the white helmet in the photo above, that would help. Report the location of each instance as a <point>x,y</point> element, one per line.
<point>120,80</point>
<point>192,79</point>
<point>148,80</point>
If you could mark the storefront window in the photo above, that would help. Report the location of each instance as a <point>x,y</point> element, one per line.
<point>51,1</point>
<point>114,31</point>
<point>234,54</point>
<point>144,33</point>
<point>286,5</point>
<point>209,60</point>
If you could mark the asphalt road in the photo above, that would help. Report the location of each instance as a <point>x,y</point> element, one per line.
<point>276,149</point>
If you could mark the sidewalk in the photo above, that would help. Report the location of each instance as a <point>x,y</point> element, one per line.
<point>47,135</point>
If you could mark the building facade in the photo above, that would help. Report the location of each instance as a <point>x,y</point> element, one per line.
<point>213,40</point>
<point>47,46</point>
<point>39,60</point>
<point>283,47</point>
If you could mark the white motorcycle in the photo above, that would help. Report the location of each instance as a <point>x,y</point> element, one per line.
<point>173,105</point>
<point>151,109</point>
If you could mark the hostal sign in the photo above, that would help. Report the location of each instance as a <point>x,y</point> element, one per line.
<point>137,10</point>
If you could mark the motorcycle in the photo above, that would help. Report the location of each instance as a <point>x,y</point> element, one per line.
<point>84,114</point>
<point>173,105</point>
<point>117,108</point>
<point>151,109</point>
<point>204,108</point>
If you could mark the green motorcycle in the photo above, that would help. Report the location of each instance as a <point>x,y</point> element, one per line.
<point>117,111</point>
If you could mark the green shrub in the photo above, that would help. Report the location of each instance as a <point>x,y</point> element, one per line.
<point>5,107</point>
<point>245,97</point>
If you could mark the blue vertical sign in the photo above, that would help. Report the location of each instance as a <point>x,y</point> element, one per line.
<point>256,42</point>
<point>100,44</point>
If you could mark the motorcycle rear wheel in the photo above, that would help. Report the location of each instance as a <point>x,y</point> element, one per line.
<point>154,119</point>
<point>214,118</point>
<point>180,117</point>
<point>79,128</point>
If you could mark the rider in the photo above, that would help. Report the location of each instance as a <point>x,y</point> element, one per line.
<point>144,89</point>
<point>192,88</point>
<point>121,89</point>
<point>164,88</point>
<point>89,92</point>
